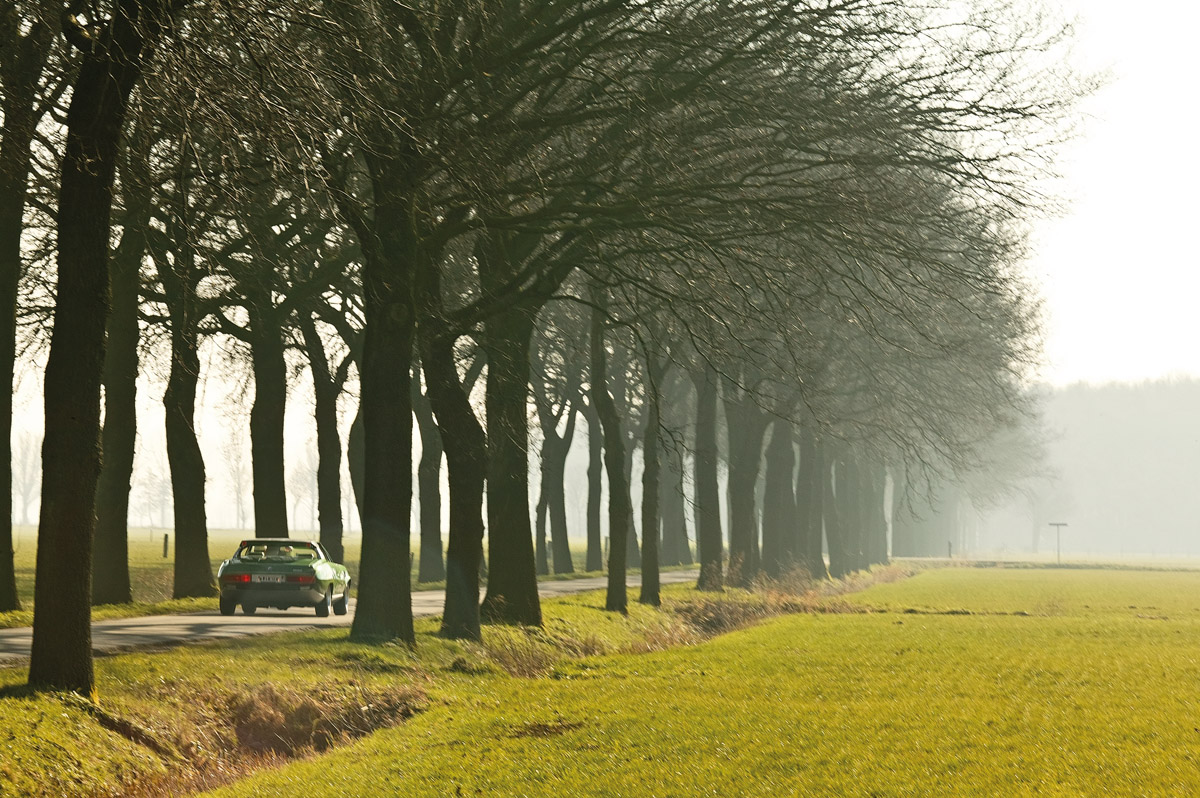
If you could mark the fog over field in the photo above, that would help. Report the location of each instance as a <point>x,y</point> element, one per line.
<point>1122,460</point>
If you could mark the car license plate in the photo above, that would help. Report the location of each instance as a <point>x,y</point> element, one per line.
<point>267,578</point>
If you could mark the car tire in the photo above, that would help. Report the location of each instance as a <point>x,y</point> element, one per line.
<point>248,608</point>
<point>341,603</point>
<point>324,604</point>
<point>227,605</point>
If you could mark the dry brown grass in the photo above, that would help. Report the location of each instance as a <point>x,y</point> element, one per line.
<point>521,651</point>
<point>701,616</point>
<point>224,736</point>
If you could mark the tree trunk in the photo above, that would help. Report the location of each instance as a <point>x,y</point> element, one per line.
<point>110,567</point>
<point>466,467</point>
<point>384,609</point>
<point>846,486</point>
<point>835,472</point>
<point>595,537</point>
<point>541,555</point>
<point>512,595</point>
<point>747,427</point>
<point>61,656</point>
<point>560,546</point>
<point>779,501</point>
<point>676,549</point>
<point>430,566</point>
<point>875,516</point>
<point>619,506</point>
<point>326,389</point>
<point>815,557</point>
<point>633,552</point>
<point>707,495</point>
<point>22,69</point>
<point>193,569</point>
<point>650,489</point>
<point>266,423</point>
<point>356,461</point>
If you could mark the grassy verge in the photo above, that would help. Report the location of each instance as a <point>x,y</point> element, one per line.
<point>957,682</point>
<point>174,722</point>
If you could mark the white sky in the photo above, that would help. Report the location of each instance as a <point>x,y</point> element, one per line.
<point>1119,270</point>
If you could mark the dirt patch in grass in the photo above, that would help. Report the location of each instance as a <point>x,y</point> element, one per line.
<point>539,729</point>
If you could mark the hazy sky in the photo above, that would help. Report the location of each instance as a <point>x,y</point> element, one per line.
<point>1119,270</point>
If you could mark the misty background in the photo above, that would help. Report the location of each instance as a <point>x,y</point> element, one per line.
<point>1123,461</point>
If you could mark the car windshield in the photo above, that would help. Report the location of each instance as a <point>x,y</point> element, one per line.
<point>276,552</point>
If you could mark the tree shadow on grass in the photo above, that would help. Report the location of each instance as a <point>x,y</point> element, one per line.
<point>17,691</point>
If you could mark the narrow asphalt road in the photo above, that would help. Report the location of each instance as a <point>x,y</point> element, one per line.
<point>109,637</point>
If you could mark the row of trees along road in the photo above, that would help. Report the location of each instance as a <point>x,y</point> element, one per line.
<point>778,238</point>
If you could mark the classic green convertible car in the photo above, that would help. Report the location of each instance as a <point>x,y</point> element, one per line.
<point>282,573</point>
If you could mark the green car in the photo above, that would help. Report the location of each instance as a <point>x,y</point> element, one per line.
<point>282,573</point>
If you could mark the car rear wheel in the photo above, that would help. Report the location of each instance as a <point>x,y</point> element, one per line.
<point>341,602</point>
<point>324,604</point>
<point>228,605</point>
<point>248,608</point>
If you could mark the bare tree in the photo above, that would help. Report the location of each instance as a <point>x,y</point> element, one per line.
<point>30,83</point>
<point>115,51</point>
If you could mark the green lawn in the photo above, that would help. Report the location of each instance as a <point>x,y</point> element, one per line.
<point>958,681</point>
<point>1092,692</point>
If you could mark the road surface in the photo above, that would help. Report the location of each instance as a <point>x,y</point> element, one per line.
<point>151,631</point>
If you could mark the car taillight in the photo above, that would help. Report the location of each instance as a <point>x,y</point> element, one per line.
<point>304,579</point>
<point>235,578</point>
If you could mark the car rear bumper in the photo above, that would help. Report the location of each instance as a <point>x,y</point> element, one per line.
<point>281,596</point>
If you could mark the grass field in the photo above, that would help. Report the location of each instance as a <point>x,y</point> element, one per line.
<point>958,681</point>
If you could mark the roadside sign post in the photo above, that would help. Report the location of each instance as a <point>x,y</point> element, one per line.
<point>1058,525</point>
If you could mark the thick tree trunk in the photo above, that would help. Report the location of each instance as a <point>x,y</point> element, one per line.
<point>552,505</point>
<point>560,545</point>
<point>384,608</point>
<point>326,389</point>
<point>110,567</point>
<point>61,655</point>
<point>835,472</point>
<point>619,506</point>
<point>431,567</point>
<point>193,569</point>
<point>466,466</point>
<point>619,390</point>
<point>747,427</point>
<point>266,424</point>
<point>512,595</point>
<point>595,537</point>
<point>707,492</point>
<point>779,501</point>
<point>676,548</point>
